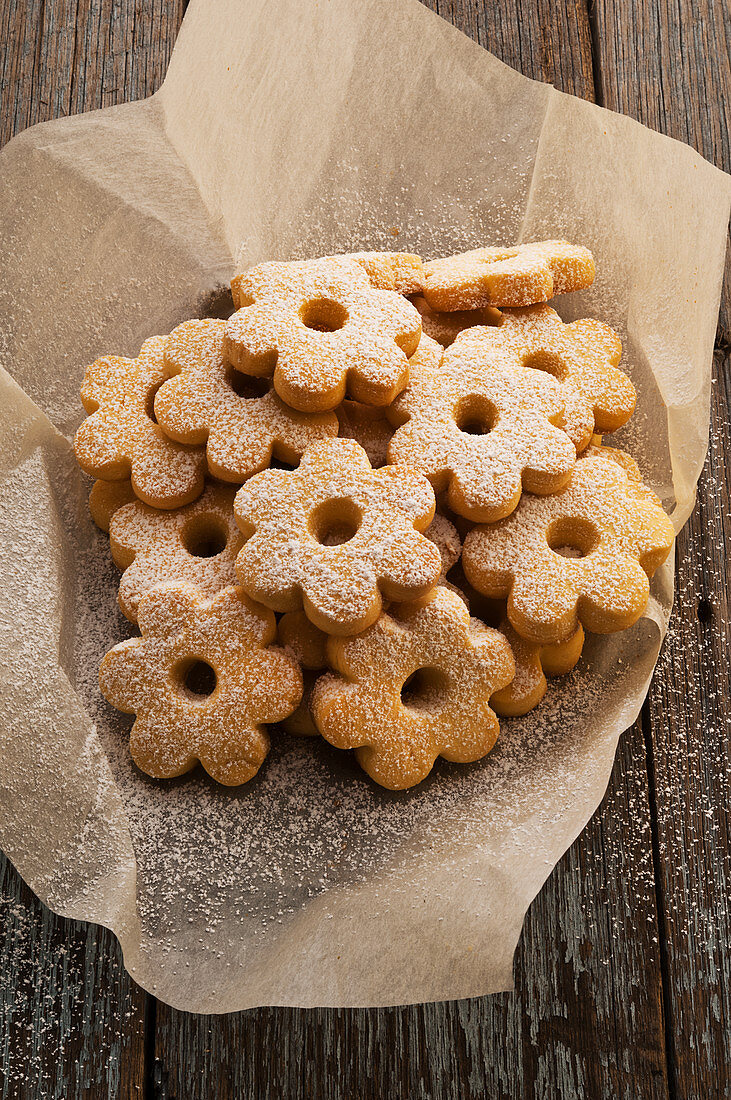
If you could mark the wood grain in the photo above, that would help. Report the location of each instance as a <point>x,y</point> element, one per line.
<point>72,1021</point>
<point>680,83</point>
<point>614,938</point>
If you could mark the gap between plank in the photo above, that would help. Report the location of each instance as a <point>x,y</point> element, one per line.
<point>596,52</point>
<point>660,907</point>
<point>149,1090</point>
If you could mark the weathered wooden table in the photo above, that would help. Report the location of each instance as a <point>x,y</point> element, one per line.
<point>623,975</point>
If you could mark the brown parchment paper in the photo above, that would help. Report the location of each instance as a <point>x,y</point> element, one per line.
<point>301,127</point>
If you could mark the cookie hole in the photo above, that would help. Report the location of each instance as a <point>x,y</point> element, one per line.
<point>335,522</point>
<point>196,679</point>
<point>425,689</point>
<point>546,361</point>
<point>150,401</point>
<point>572,538</point>
<point>204,537</point>
<point>475,415</point>
<point>323,315</point>
<point>245,386</point>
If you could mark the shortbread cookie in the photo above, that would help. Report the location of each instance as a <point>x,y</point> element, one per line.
<point>583,555</point>
<point>445,537</point>
<point>582,355</point>
<point>369,426</point>
<point>518,276</point>
<point>106,497</point>
<point>399,271</point>
<point>197,543</point>
<point>309,646</point>
<point>446,327</point>
<point>481,427</point>
<point>336,537</point>
<point>120,438</point>
<point>241,420</point>
<point>533,662</point>
<point>202,679</point>
<point>414,686</point>
<point>305,641</point>
<point>319,328</point>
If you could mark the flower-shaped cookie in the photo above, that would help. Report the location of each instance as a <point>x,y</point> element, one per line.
<point>582,555</point>
<point>446,327</point>
<point>319,327</point>
<point>197,543</point>
<point>583,355</point>
<point>414,686</point>
<point>399,271</point>
<point>533,662</point>
<point>202,679</point>
<point>121,437</point>
<point>335,536</point>
<point>369,426</point>
<point>445,537</point>
<point>518,276</point>
<point>482,427</point>
<point>242,420</point>
<point>308,645</point>
<point>106,497</point>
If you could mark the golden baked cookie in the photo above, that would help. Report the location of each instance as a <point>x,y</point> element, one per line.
<point>402,272</point>
<point>197,543</point>
<point>106,497</point>
<point>481,427</point>
<point>336,537</point>
<point>442,532</point>
<point>582,355</point>
<point>243,423</point>
<point>308,645</point>
<point>446,327</point>
<point>414,686</point>
<point>533,662</point>
<point>583,555</point>
<point>319,328</point>
<point>201,680</point>
<point>121,438</point>
<point>517,276</point>
<point>369,426</point>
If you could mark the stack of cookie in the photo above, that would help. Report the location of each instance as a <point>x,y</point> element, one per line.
<point>392,469</point>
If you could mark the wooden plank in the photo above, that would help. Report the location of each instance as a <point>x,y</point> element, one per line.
<point>679,81</point>
<point>586,1019</point>
<point>72,1021</point>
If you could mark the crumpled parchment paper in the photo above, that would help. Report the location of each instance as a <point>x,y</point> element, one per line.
<point>303,128</point>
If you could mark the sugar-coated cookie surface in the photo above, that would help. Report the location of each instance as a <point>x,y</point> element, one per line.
<point>197,543</point>
<point>414,686</point>
<point>321,329</point>
<point>180,720</point>
<point>517,276</point>
<point>121,439</point>
<point>367,425</point>
<point>336,537</point>
<point>442,532</point>
<point>583,555</point>
<point>583,355</point>
<point>533,662</point>
<point>308,645</point>
<point>482,427</point>
<point>242,421</point>
<point>106,497</point>
<point>399,271</point>
<point>446,327</point>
